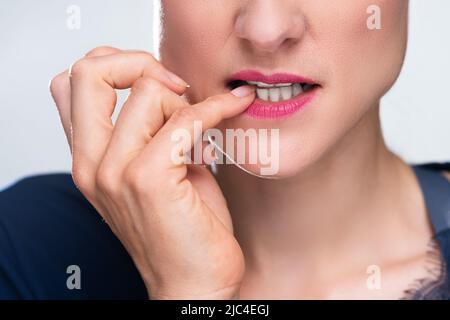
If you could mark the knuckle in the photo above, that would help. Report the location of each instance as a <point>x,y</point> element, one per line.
<point>137,179</point>
<point>132,175</point>
<point>80,67</point>
<point>148,60</point>
<point>147,56</point>
<point>213,106</point>
<point>58,84</point>
<point>148,85</point>
<point>129,176</point>
<point>214,102</point>
<point>101,50</point>
<point>81,178</point>
<point>185,115</point>
<point>106,180</point>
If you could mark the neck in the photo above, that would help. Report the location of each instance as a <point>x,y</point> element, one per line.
<point>356,199</point>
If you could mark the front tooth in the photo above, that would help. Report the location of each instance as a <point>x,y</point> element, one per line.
<point>262,94</point>
<point>281,85</point>
<point>297,89</point>
<point>286,92</point>
<point>260,84</point>
<point>274,94</point>
<point>267,85</point>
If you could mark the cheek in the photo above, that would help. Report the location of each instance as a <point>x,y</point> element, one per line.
<point>361,65</point>
<point>193,41</point>
<point>365,60</point>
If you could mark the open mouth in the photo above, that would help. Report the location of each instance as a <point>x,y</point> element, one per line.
<point>275,92</point>
<point>278,95</point>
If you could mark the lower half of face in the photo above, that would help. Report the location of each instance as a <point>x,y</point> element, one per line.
<point>319,67</point>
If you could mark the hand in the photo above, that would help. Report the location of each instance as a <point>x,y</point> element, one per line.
<point>172,218</point>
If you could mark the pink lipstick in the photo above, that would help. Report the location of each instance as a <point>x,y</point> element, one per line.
<point>278,95</point>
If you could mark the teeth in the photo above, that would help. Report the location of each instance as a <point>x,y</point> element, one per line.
<point>297,89</point>
<point>263,94</point>
<point>267,85</point>
<point>286,92</point>
<point>275,94</point>
<point>279,91</point>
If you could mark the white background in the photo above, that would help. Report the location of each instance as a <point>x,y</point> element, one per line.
<point>36,44</point>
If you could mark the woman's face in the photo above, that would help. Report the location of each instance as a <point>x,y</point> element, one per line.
<point>332,44</point>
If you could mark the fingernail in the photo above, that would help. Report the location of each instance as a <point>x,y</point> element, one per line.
<point>243,91</point>
<point>177,80</point>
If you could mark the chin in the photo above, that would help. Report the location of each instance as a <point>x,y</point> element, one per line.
<point>290,162</point>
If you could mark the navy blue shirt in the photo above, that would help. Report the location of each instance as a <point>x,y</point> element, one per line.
<point>47,226</point>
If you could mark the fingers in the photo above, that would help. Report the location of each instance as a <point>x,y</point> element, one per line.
<point>184,122</point>
<point>93,98</point>
<point>122,69</point>
<point>147,108</point>
<point>60,90</point>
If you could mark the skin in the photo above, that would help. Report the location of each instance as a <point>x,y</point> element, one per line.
<point>342,201</point>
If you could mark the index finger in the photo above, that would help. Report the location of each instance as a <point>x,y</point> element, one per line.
<point>208,113</point>
<point>93,98</point>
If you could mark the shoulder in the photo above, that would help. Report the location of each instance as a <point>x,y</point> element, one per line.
<point>47,226</point>
<point>442,168</point>
<point>435,186</point>
<point>447,175</point>
<point>35,205</point>
<point>42,192</point>
<point>434,179</point>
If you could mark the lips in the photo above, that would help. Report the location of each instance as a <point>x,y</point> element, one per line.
<point>278,95</point>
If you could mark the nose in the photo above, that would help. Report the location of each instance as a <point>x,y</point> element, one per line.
<point>269,24</point>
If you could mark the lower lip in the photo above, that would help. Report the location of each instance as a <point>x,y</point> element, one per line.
<point>261,109</point>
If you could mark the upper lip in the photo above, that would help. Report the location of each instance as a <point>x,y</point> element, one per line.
<point>253,75</point>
